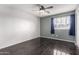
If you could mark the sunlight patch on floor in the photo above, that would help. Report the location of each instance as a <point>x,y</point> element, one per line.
<point>58,52</point>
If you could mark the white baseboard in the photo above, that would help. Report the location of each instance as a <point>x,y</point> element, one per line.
<point>58,39</point>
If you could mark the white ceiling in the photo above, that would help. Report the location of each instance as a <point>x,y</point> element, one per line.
<point>34,9</point>
<point>57,8</point>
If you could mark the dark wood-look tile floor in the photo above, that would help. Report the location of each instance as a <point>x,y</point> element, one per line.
<point>56,47</point>
<point>40,46</point>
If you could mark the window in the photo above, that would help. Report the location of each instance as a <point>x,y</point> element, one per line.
<point>62,22</point>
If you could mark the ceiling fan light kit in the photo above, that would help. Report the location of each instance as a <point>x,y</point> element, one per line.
<point>43,10</point>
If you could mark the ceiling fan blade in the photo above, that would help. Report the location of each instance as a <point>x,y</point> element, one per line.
<point>41,7</point>
<point>38,5</point>
<point>49,7</point>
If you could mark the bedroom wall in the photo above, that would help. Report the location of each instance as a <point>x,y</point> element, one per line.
<point>45,29</point>
<point>16,25</point>
<point>77,29</point>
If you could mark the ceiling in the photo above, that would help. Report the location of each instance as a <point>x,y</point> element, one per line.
<point>34,8</point>
<point>57,8</point>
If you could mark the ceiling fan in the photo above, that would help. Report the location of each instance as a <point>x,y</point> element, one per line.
<point>43,8</point>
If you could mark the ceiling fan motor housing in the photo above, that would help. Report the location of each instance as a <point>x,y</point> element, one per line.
<point>42,8</point>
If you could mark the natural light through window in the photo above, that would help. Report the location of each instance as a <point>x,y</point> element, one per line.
<point>62,22</point>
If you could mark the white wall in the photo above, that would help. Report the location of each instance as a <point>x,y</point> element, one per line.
<point>77,27</point>
<point>17,25</point>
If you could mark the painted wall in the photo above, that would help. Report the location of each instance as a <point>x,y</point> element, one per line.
<point>45,31</point>
<point>77,28</point>
<point>17,25</point>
